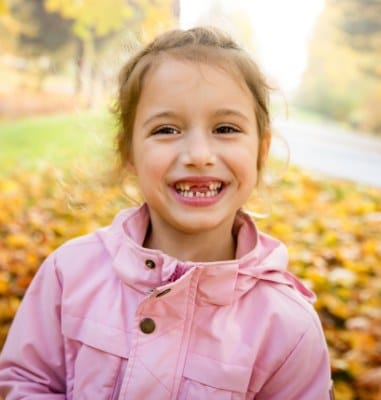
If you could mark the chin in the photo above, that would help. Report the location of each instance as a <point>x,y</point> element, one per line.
<point>197,227</point>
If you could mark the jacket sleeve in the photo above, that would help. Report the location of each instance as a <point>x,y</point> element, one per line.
<point>305,374</point>
<point>32,361</point>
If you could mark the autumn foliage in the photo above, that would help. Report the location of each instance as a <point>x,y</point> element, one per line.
<point>332,230</point>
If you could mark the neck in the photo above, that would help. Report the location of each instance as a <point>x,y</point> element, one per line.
<point>200,247</point>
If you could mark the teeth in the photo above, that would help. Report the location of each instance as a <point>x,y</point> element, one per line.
<point>184,190</point>
<point>215,185</point>
<point>188,194</point>
<point>182,186</point>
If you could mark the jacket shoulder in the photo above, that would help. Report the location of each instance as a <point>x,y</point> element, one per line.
<point>82,257</point>
<point>288,308</point>
<point>95,243</point>
<point>80,247</point>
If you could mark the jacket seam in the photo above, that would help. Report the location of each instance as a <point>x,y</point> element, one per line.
<point>310,311</point>
<point>289,354</point>
<point>219,361</point>
<point>96,322</point>
<point>153,375</point>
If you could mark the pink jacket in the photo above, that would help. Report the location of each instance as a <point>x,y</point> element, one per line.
<point>105,318</point>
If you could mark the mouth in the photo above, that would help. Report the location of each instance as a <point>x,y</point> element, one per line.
<point>199,189</point>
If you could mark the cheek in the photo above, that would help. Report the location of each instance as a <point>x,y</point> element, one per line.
<point>151,165</point>
<point>245,163</point>
<point>147,170</point>
<point>148,178</point>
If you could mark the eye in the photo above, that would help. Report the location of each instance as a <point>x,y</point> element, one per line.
<point>226,129</point>
<point>166,130</point>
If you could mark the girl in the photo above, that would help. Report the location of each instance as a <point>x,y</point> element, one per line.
<point>181,298</point>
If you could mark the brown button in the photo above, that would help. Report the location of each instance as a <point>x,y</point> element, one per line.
<point>164,292</point>
<point>150,264</point>
<point>147,325</point>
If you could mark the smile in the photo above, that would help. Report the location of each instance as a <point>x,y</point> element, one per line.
<point>198,190</point>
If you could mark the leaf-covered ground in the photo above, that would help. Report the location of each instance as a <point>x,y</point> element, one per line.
<point>332,230</point>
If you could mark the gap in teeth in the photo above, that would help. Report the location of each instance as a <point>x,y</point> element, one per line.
<point>185,187</point>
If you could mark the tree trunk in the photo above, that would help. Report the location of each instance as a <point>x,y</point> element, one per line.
<point>80,66</point>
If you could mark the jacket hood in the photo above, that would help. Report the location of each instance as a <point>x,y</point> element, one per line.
<point>259,257</point>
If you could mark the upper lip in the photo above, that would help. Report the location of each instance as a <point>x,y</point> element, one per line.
<point>197,180</point>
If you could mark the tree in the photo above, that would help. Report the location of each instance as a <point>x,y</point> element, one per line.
<point>96,24</point>
<point>44,32</point>
<point>9,29</point>
<point>361,24</point>
<point>55,35</point>
<point>39,37</point>
<point>92,17</point>
<point>341,80</point>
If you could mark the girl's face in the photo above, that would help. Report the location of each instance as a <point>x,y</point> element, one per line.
<point>194,147</point>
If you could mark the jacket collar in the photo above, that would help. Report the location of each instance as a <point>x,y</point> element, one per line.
<point>258,257</point>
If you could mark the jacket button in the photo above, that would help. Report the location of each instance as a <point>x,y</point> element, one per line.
<point>164,292</point>
<point>150,264</point>
<point>147,325</point>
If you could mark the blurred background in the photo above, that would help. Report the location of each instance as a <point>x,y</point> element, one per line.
<point>59,61</point>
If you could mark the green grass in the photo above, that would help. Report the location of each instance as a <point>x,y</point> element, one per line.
<point>61,140</point>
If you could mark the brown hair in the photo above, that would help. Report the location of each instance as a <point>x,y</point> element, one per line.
<point>201,44</point>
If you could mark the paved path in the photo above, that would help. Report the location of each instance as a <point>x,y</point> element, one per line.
<point>333,151</point>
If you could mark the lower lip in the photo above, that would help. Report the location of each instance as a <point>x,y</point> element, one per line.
<point>199,201</point>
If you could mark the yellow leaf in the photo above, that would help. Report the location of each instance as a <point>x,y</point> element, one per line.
<point>3,7</point>
<point>8,186</point>
<point>17,240</point>
<point>370,246</point>
<point>343,391</point>
<point>330,238</point>
<point>4,284</point>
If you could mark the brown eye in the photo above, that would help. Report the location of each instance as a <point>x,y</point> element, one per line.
<point>166,130</point>
<point>226,129</point>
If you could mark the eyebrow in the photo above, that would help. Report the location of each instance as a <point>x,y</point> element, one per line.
<point>230,112</point>
<point>223,112</point>
<point>161,114</point>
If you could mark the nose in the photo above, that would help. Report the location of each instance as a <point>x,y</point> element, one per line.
<point>198,149</point>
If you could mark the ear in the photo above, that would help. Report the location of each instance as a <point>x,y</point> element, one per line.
<point>130,167</point>
<point>129,163</point>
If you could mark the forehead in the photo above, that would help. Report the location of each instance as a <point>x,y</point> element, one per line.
<point>192,92</point>
<point>183,73</point>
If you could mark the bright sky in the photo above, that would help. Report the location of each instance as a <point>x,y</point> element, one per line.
<point>282,29</point>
